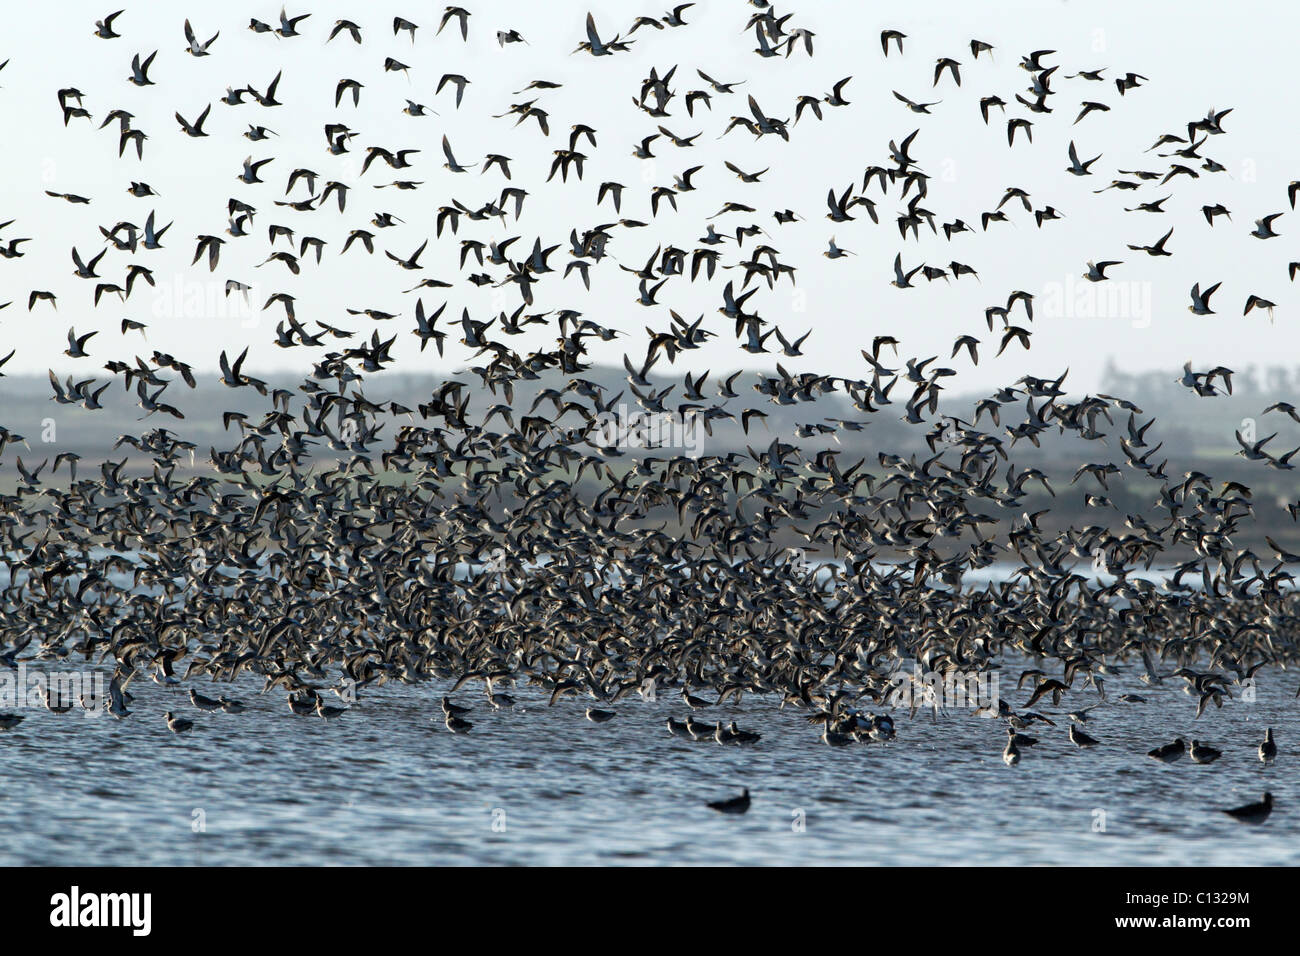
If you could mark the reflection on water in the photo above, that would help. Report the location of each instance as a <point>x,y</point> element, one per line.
<point>388,784</point>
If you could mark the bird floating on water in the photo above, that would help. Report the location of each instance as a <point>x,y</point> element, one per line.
<point>738,804</point>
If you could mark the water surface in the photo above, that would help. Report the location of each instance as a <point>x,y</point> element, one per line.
<point>387,784</point>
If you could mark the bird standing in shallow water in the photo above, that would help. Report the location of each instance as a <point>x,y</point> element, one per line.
<point>697,730</point>
<point>834,738</point>
<point>1253,812</point>
<point>738,804</point>
<point>453,710</point>
<point>204,703</point>
<point>1169,753</point>
<point>1080,739</point>
<point>1021,740</point>
<point>327,712</point>
<point>1011,755</point>
<point>1268,749</point>
<point>458,726</point>
<point>695,703</point>
<point>1201,753</point>
<point>178,725</point>
<point>737,736</point>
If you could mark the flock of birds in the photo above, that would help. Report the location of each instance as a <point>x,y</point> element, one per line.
<point>342,541</point>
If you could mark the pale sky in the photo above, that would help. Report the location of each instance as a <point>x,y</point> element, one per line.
<point>1197,55</point>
